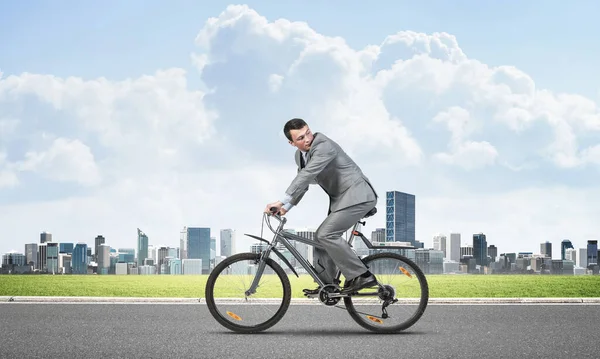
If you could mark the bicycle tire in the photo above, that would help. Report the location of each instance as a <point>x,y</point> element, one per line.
<point>423,300</point>
<point>212,306</point>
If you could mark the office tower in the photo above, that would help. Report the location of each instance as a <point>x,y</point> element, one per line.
<point>13,259</point>
<point>480,249</point>
<point>126,255</point>
<point>454,252</point>
<point>103,259</point>
<point>41,257</point>
<point>79,258</point>
<point>98,241</point>
<point>546,249</point>
<point>592,252</point>
<point>183,243</point>
<point>378,235</point>
<point>492,252</point>
<point>45,237</point>
<point>213,250</point>
<point>162,253</point>
<point>142,247</point>
<point>31,250</point>
<point>582,258</point>
<point>66,248</point>
<point>439,243</point>
<point>400,217</point>
<point>198,245</point>
<point>227,242</point>
<point>564,245</point>
<point>52,257</point>
<point>571,255</point>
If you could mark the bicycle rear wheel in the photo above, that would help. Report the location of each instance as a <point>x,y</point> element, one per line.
<point>232,308</point>
<point>404,285</point>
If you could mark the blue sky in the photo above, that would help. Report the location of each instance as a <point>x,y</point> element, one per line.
<point>79,149</point>
<point>551,41</point>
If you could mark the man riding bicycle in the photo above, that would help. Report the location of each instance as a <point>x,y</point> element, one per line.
<point>322,161</point>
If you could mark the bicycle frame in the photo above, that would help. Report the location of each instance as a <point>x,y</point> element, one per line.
<point>285,238</point>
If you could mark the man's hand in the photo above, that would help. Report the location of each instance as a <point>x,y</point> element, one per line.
<point>277,205</point>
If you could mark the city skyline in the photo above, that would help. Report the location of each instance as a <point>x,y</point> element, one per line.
<point>243,243</point>
<point>180,121</point>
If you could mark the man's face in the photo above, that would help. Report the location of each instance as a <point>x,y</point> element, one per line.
<point>302,138</point>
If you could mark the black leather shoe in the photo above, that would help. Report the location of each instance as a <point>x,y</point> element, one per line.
<point>359,283</point>
<point>311,291</point>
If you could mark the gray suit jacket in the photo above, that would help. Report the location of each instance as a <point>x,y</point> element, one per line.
<point>331,168</point>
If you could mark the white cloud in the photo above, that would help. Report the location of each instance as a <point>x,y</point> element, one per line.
<point>65,160</point>
<point>466,154</point>
<point>469,139</point>
<point>275,82</point>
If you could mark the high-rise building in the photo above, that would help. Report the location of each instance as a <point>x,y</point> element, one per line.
<point>66,248</point>
<point>98,241</point>
<point>52,257</point>
<point>79,258</point>
<point>103,259</point>
<point>439,243</point>
<point>213,251</point>
<point>378,235</point>
<point>592,252</point>
<point>162,252</point>
<point>227,242</point>
<point>198,245</point>
<point>142,247</point>
<point>400,217</point>
<point>126,255</point>
<point>571,255</point>
<point>582,258</point>
<point>41,257</point>
<point>480,249</point>
<point>183,243</point>
<point>492,252</point>
<point>546,249</point>
<point>31,250</point>
<point>45,237</point>
<point>13,259</point>
<point>454,252</point>
<point>564,245</point>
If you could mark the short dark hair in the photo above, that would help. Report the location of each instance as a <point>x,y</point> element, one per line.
<point>293,124</point>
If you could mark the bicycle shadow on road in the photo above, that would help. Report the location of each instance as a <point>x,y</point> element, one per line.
<point>334,333</point>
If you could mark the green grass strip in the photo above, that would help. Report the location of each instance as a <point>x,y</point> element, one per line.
<point>192,286</point>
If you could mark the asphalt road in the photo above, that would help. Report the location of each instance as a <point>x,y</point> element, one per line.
<point>188,331</point>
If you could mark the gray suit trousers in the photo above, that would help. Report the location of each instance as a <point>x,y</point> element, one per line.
<point>337,252</point>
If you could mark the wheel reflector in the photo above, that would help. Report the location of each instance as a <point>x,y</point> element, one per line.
<point>234,316</point>
<point>376,320</point>
<point>406,272</point>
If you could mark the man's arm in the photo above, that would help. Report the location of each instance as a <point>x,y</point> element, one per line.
<point>322,155</point>
<point>289,202</point>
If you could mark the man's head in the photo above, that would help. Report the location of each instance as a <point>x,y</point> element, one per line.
<point>298,133</point>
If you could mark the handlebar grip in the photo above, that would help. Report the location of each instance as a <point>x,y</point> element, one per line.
<point>273,210</point>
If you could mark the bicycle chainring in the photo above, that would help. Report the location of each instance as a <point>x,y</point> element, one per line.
<point>324,295</point>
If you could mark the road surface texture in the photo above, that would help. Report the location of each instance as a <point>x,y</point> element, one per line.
<point>168,330</point>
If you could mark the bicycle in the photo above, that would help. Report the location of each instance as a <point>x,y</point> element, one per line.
<point>273,297</point>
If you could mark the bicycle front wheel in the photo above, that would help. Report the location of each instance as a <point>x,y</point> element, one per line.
<point>398,303</point>
<point>226,293</point>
